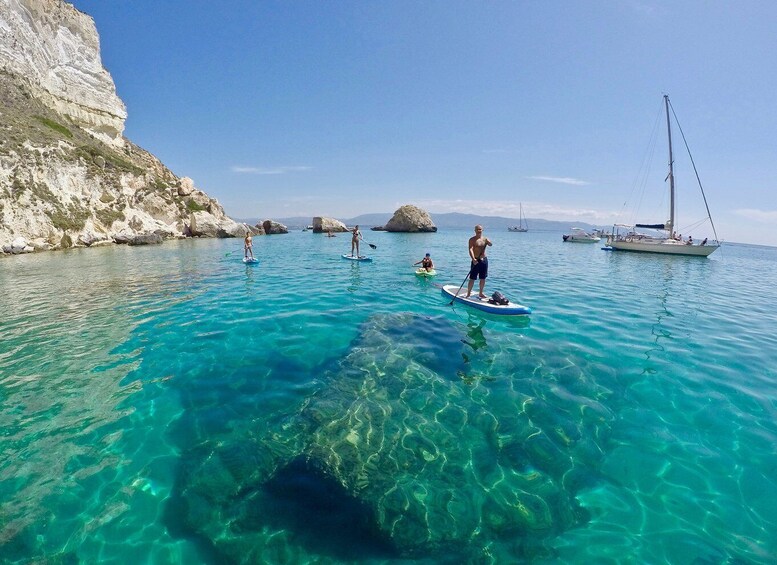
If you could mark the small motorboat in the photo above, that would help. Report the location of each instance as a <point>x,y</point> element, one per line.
<point>579,235</point>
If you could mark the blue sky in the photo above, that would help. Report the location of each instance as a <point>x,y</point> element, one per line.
<point>303,108</point>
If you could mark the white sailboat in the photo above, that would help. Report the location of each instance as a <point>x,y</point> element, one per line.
<point>668,244</point>
<point>522,225</point>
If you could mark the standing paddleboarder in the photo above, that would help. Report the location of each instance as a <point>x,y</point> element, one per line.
<point>356,236</point>
<point>248,247</point>
<point>479,267</point>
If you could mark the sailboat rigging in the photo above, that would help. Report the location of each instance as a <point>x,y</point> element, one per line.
<point>522,225</point>
<point>669,243</point>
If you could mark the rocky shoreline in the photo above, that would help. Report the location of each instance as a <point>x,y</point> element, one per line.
<point>68,176</point>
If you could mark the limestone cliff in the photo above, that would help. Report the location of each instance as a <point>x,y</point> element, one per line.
<point>67,174</point>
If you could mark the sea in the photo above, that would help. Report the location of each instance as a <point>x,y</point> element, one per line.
<point>170,404</point>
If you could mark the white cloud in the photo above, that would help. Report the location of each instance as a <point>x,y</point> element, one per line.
<point>757,215</point>
<point>562,180</point>
<point>267,171</point>
<point>510,209</point>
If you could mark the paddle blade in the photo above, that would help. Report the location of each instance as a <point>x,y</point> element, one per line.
<point>372,246</point>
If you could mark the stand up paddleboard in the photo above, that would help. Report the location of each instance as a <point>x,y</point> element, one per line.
<point>424,273</point>
<point>359,258</point>
<point>250,261</point>
<point>509,309</point>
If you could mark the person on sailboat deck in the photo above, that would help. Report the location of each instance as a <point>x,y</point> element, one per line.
<point>704,241</point>
<point>690,240</point>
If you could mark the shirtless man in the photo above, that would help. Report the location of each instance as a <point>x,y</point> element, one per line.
<point>248,247</point>
<point>477,253</point>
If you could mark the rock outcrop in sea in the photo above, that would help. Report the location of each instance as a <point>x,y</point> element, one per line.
<point>272,227</point>
<point>409,218</point>
<point>68,176</point>
<point>322,225</point>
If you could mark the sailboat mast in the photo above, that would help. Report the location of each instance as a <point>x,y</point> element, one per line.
<point>670,228</point>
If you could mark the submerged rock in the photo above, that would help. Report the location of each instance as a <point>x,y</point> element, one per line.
<point>435,463</point>
<point>145,239</point>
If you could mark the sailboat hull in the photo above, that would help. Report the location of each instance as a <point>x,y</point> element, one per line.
<point>665,247</point>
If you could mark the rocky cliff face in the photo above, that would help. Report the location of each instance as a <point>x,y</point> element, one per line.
<point>67,174</point>
<point>55,50</point>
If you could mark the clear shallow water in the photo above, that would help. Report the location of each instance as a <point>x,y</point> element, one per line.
<point>169,404</point>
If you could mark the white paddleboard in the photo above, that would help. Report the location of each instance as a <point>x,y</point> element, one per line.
<point>509,309</point>
<point>359,258</point>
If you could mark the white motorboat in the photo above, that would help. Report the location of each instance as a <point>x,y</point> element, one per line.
<point>579,235</point>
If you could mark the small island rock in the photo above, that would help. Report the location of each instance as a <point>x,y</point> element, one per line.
<point>272,227</point>
<point>410,219</point>
<point>322,225</point>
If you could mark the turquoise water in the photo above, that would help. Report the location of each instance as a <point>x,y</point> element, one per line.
<point>170,404</point>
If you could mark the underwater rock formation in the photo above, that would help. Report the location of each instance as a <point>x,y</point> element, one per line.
<point>433,461</point>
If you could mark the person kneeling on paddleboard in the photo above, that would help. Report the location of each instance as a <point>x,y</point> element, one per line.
<point>426,262</point>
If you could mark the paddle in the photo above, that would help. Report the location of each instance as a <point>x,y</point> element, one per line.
<point>228,253</point>
<point>370,244</point>
<point>458,291</point>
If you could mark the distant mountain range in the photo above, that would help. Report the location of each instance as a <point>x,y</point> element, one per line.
<point>452,220</point>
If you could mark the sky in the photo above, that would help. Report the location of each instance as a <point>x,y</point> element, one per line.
<point>340,108</point>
